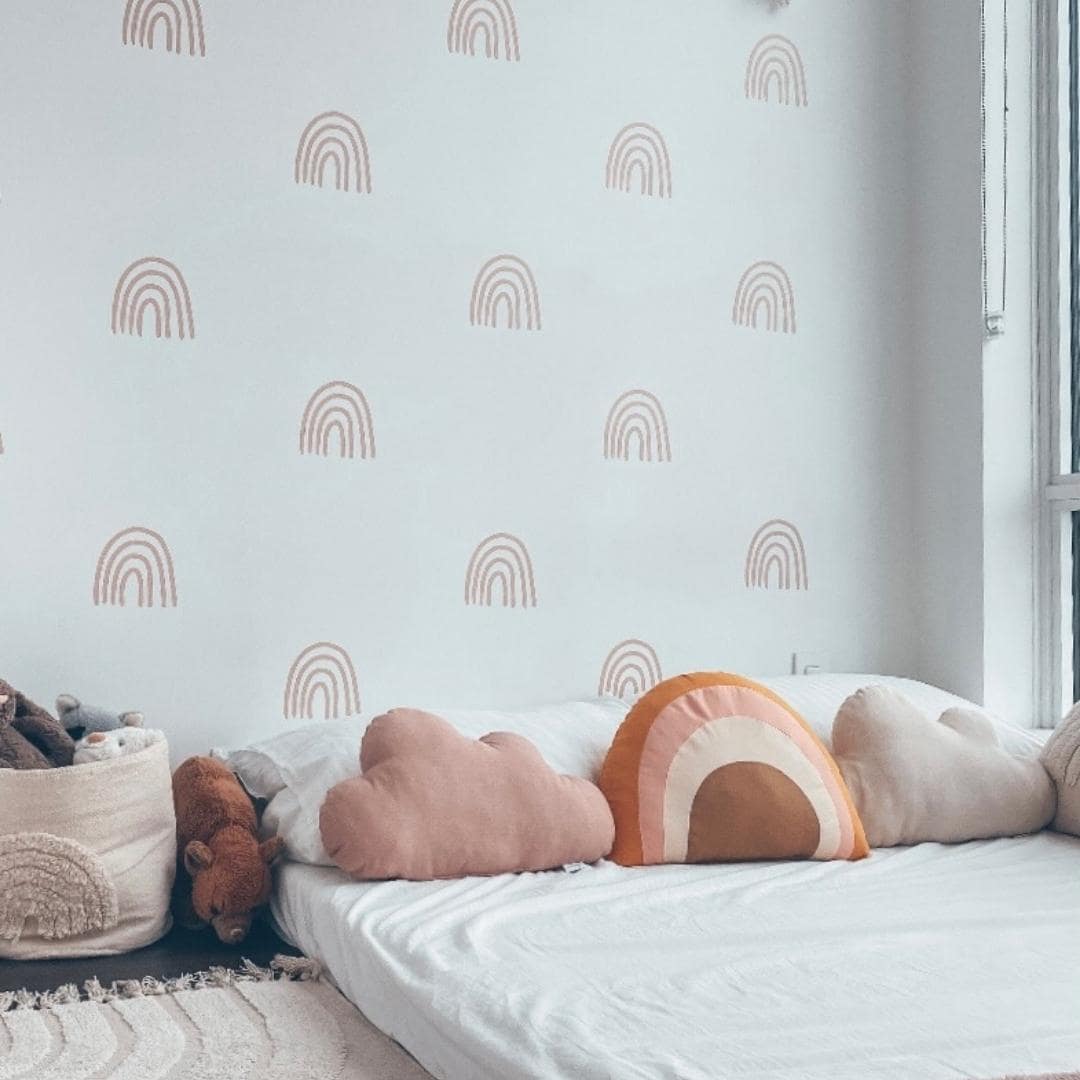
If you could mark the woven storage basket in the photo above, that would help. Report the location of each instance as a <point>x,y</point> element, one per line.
<point>87,856</point>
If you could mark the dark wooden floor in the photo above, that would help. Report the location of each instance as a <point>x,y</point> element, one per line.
<point>179,952</point>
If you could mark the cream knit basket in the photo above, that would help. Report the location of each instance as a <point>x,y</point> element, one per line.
<point>87,856</point>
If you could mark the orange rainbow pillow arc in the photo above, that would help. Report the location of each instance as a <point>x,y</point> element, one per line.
<point>713,767</point>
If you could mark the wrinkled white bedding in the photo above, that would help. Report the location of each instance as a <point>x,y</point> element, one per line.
<point>924,963</point>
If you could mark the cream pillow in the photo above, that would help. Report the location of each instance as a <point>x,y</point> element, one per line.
<point>916,779</point>
<point>817,698</point>
<point>1062,760</point>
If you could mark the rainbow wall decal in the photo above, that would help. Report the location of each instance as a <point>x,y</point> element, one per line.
<point>334,139</point>
<point>637,417</point>
<point>139,557</point>
<point>764,296</point>
<point>639,150</point>
<point>492,20</point>
<point>631,668</point>
<point>500,563</point>
<point>776,556</point>
<point>712,767</point>
<point>153,285</point>
<point>505,283</point>
<point>337,411</point>
<point>180,22</point>
<point>775,63</point>
<point>323,670</point>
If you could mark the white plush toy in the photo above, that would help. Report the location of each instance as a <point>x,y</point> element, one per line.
<point>101,745</point>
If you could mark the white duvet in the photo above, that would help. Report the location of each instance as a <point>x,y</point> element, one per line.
<point>924,963</point>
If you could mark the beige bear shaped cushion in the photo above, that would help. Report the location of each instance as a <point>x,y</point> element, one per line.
<point>914,779</point>
<point>1062,760</point>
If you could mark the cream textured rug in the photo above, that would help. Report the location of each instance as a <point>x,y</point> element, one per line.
<point>280,1024</point>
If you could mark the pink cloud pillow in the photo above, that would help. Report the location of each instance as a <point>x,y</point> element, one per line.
<point>432,803</point>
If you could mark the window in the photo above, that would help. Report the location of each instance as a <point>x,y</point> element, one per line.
<point>1071,604</point>
<point>1057,162</point>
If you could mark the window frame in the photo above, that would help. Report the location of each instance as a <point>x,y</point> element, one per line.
<point>1056,301</point>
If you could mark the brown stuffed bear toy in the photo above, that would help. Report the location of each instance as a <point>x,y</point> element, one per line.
<point>29,737</point>
<point>222,871</point>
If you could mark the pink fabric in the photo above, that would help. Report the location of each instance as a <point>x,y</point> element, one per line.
<point>432,803</point>
<point>690,711</point>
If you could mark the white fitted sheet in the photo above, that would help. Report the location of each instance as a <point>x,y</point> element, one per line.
<point>923,963</point>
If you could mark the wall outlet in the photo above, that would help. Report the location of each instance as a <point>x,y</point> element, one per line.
<point>808,663</point>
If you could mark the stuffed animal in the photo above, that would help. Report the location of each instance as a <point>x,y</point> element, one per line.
<point>1061,756</point>
<point>81,720</point>
<point>16,752</point>
<point>222,872</point>
<point>29,737</point>
<point>102,745</point>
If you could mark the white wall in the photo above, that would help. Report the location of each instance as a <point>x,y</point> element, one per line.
<point>973,444</point>
<point>112,152</point>
<point>945,329</point>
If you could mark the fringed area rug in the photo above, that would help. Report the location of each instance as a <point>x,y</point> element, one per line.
<point>281,1023</point>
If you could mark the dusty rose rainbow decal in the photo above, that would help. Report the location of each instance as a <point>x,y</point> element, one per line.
<point>776,555</point>
<point>136,556</point>
<point>505,283</point>
<point>338,409</point>
<point>500,562</point>
<point>492,20</point>
<point>156,286</point>
<point>774,62</point>
<point>637,416</point>
<point>181,22</point>
<point>335,139</point>
<point>764,292</point>
<point>631,668</point>
<point>322,670</point>
<point>639,150</point>
<point>712,767</point>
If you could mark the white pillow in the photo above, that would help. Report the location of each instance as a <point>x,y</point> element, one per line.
<point>297,824</point>
<point>293,813</point>
<point>296,770</point>
<point>573,736</point>
<point>255,770</point>
<point>295,757</point>
<point>817,698</point>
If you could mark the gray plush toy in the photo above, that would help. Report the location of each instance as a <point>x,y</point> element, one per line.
<point>87,719</point>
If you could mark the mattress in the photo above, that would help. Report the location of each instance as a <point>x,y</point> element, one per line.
<point>922,963</point>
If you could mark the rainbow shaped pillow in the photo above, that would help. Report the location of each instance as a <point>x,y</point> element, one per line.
<point>715,768</point>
